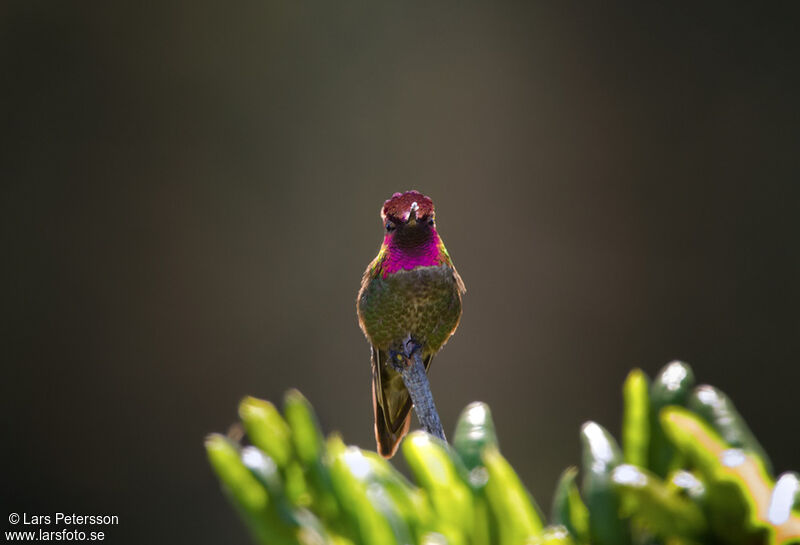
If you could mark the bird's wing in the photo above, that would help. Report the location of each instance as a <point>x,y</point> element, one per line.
<point>374,269</point>
<point>391,403</point>
<point>462,289</point>
<point>446,260</point>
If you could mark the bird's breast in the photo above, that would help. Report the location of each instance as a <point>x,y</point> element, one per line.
<point>424,302</point>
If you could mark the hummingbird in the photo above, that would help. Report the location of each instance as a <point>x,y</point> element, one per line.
<point>408,306</point>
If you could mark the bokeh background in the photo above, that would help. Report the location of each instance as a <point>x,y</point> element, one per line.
<point>190,193</point>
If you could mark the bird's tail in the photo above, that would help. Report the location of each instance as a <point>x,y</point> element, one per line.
<point>390,402</point>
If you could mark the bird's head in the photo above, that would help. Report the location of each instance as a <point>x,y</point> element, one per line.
<point>408,218</point>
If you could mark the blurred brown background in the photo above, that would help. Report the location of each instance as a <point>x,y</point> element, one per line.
<point>190,193</point>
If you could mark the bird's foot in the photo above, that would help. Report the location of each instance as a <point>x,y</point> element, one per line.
<point>403,356</point>
<point>410,346</point>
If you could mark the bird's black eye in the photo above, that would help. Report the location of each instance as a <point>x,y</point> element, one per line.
<point>430,222</point>
<point>390,226</point>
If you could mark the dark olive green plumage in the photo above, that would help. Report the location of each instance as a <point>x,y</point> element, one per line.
<point>424,302</point>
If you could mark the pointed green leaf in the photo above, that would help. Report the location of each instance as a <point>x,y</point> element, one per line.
<point>569,510</point>
<point>309,528</point>
<point>636,418</point>
<point>671,386</point>
<point>718,410</point>
<point>409,501</point>
<point>737,482</point>
<point>474,432</point>
<point>513,508</point>
<point>437,474</point>
<point>266,429</point>
<point>248,495</point>
<point>366,503</point>
<point>306,435</point>
<point>600,456</point>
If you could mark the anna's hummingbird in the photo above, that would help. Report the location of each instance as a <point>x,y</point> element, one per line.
<point>408,306</point>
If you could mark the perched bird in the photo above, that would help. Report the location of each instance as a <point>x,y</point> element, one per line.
<point>409,303</point>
